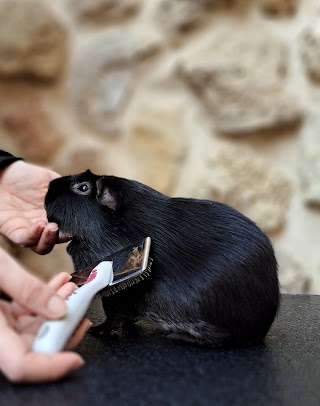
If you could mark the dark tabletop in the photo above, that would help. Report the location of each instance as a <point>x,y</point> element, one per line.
<point>152,370</point>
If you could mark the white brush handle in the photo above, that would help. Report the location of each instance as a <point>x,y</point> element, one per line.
<point>53,335</point>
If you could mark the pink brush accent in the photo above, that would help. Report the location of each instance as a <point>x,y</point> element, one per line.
<point>91,277</point>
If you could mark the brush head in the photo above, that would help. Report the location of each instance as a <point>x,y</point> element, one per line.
<point>129,265</point>
<point>130,262</point>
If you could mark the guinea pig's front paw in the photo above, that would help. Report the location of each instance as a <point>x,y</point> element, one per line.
<point>126,329</point>
<point>115,331</point>
<point>116,335</point>
<point>100,330</point>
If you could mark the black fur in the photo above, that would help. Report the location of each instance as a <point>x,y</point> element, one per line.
<point>214,273</point>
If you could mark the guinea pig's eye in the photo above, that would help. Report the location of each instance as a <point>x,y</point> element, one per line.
<point>83,188</point>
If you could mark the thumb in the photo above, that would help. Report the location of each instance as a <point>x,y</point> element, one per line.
<point>29,291</point>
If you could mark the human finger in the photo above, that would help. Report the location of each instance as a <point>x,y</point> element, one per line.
<point>29,291</point>
<point>29,324</point>
<point>31,234</point>
<point>78,335</point>
<point>22,366</point>
<point>36,367</point>
<point>19,365</point>
<point>57,282</point>
<point>47,239</point>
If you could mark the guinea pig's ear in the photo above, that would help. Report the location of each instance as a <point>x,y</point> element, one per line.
<point>104,195</point>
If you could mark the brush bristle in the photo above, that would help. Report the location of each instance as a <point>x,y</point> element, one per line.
<point>111,290</point>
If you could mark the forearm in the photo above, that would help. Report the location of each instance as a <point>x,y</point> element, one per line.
<point>6,159</point>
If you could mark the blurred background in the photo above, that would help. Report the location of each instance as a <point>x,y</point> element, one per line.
<point>214,99</point>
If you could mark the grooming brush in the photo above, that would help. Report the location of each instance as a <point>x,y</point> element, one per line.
<point>125,267</point>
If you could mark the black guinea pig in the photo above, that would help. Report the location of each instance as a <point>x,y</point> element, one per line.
<point>214,274</point>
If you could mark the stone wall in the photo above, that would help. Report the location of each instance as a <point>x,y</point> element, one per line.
<point>205,98</point>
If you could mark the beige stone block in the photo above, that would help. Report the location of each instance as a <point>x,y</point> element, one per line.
<point>32,129</point>
<point>292,272</point>
<point>237,177</point>
<point>157,144</point>
<point>309,45</point>
<point>180,16</point>
<point>84,153</point>
<point>46,266</point>
<point>309,160</point>
<point>32,40</point>
<point>104,77</point>
<point>101,11</point>
<point>279,7</point>
<point>241,79</point>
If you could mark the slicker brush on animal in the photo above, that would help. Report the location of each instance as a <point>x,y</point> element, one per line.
<point>213,279</point>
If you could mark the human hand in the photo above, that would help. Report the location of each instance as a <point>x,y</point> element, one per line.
<point>23,218</point>
<point>20,320</point>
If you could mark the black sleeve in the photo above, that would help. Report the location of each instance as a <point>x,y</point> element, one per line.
<point>6,159</point>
